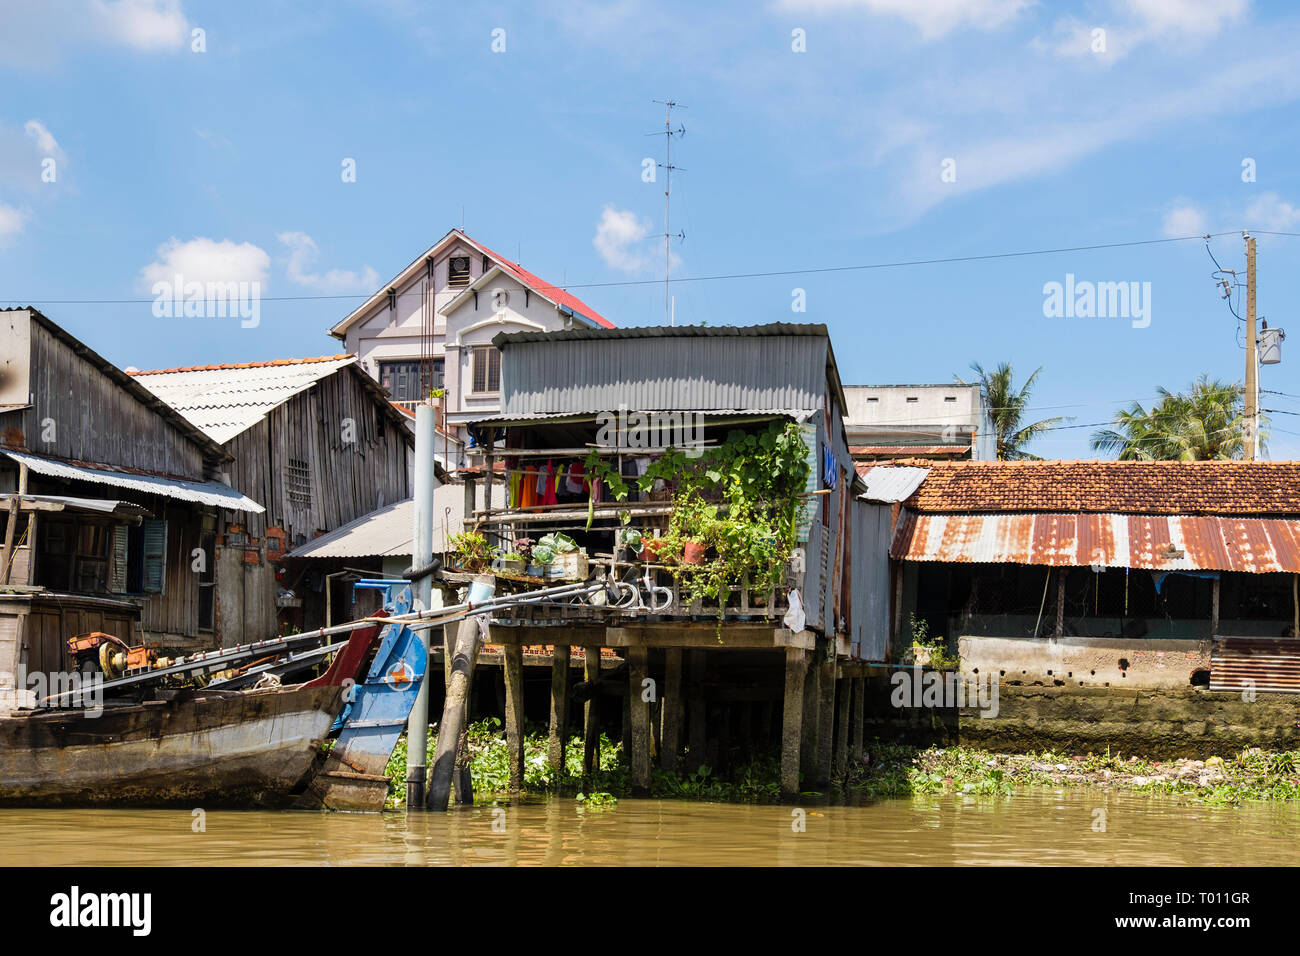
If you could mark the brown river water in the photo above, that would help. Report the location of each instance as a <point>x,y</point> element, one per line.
<point>1031,828</point>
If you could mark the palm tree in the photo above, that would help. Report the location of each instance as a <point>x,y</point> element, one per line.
<point>1208,421</point>
<point>1007,406</point>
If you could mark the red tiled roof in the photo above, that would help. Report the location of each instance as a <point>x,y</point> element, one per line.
<point>540,285</point>
<point>236,365</point>
<point>903,451</point>
<point>1117,487</point>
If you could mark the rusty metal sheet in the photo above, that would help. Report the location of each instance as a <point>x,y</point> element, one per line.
<point>1157,542</point>
<point>1265,665</point>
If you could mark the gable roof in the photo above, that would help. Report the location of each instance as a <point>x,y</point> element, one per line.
<point>552,293</point>
<point>212,450</point>
<point>1114,487</point>
<point>225,400</point>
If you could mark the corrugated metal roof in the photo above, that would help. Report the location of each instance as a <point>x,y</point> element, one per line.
<point>891,485</point>
<point>225,400</point>
<point>1158,542</point>
<point>797,414</point>
<point>505,339</point>
<point>386,531</point>
<point>203,492</point>
<point>108,506</point>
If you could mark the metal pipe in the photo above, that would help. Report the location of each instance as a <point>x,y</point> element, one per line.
<point>417,726</point>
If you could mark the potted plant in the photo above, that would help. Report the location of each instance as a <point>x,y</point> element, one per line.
<point>470,551</point>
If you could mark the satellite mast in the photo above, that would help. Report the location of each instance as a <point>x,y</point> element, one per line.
<point>668,167</point>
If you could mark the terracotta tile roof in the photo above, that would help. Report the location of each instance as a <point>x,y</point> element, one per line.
<point>237,365</point>
<point>1116,487</point>
<point>906,451</point>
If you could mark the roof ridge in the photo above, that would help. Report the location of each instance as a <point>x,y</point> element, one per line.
<point>230,366</point>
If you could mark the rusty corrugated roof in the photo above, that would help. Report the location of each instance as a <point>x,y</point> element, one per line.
<point>1112,487</point>
<point>1157,542</point>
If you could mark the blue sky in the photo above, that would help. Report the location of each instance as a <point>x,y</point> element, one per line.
<point>227,161</point>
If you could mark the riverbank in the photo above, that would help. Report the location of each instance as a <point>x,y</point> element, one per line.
<point>887,770</point>
<point>1251,775</point>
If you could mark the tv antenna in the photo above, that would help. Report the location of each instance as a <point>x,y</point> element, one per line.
<point>667,166</point>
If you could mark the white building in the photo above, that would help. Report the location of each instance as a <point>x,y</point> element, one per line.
<point>432,325</point>
<point>944,422</point>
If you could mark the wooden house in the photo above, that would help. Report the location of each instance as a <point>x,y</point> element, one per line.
<point>585,415</point>
<point>317,441</point>
<point>112,503</point>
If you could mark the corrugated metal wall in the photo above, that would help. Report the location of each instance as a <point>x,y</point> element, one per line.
<point>872,530</point>
<point>670,373</point>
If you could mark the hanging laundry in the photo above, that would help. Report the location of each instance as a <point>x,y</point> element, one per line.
<point>548,486</point>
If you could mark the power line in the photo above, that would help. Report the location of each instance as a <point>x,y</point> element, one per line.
<point>547,287</point>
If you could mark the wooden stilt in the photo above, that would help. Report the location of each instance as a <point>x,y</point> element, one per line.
<point>638,709</point>
<point>514,679</point>
<point>591,713</point>
<point>451,729</point>
<point>697,726</point>
<point>671,732</point>
<point>796,672</point>
<point>559,729</point>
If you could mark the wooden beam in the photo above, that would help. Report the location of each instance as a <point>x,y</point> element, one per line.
<point>796,671</point>
<point>571,635</point>
<point>451,729</point>
<point>638,659</point>
<point>1214,607</point>
<point>591,714</point>
<point>705,636</point>
<point>559,728</point>
<point>514,677</point>
<point>670,733</point>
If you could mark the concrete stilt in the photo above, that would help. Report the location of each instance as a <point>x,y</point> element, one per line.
<point>671,732</point>
<point>826,722</point>
<point>843,721</point>
<point>796,672</point>
<point>697,726</point>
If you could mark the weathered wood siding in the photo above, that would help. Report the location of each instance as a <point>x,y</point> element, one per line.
<point>91,417</point>
<point>358,459</point>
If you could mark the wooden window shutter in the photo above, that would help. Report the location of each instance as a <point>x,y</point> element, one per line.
<point>155,555</point>
<point>118,564</point>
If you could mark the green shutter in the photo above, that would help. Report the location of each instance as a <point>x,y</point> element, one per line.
<point>155,555</point>
<point>118,561</point>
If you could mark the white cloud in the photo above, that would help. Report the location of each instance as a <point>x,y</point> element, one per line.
<point>620,238</point>
<point>38,133</point>
<point>207,260</point>
<point>1132,23</point>
<point>1184,219</point>
<point>143,24</point>
<point>11,222</point>
<point>303,253</point>
<point>45,34</point>
<point>934,18</point>
<point>1271,213</point>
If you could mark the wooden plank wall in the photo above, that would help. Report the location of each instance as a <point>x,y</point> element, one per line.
<point>94,418</point>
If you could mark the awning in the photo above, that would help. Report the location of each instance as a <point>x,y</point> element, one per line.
<point>201,492</point>
<point>1157,542</point>
<point>102,506</point>
<point>891,484</point>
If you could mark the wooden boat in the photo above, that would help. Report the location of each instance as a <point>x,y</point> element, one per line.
<point>197,747</point>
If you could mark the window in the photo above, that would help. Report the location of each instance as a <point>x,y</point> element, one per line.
<point>912,399</point>
<point>458,272</point>
<point>298,483</point>
<point>950,398</point>
<point>207,580</point>
<point>410,381</point>
<point>487,264</point>
<point>153,555</point>
<point>487,369</point>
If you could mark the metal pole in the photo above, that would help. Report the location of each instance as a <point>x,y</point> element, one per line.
<point>417,726</point>
<point>1251,450</point>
